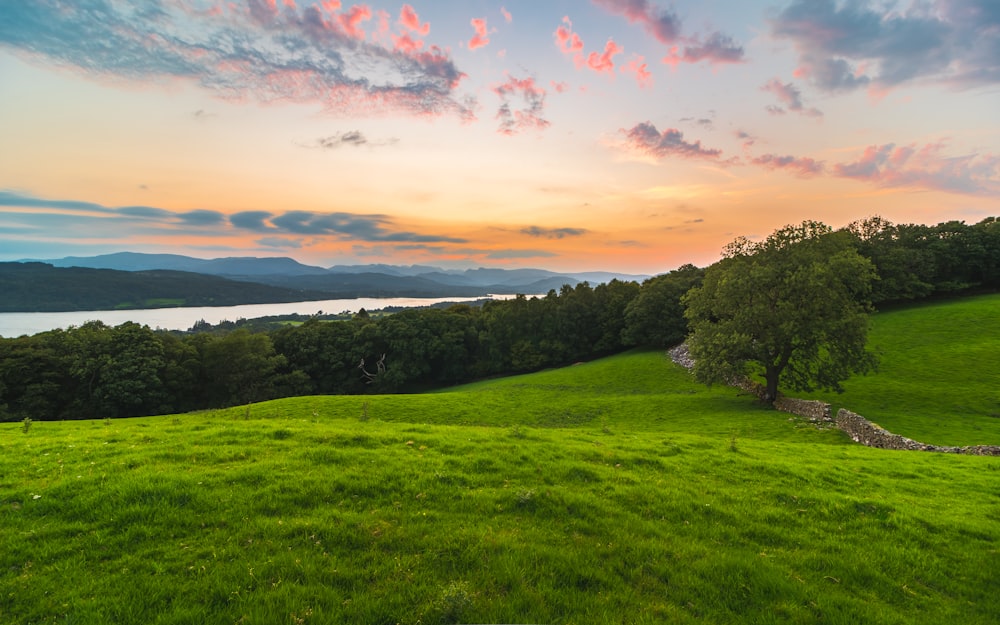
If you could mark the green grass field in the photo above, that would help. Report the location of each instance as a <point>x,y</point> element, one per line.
<point>616,491</point>
<point>939,378</point>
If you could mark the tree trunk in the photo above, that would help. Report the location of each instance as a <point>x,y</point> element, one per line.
<point>771,376</point>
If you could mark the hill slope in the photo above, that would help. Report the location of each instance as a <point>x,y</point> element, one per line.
<point>609,492</point>
<point>37,287</point>
<point>939,376</point>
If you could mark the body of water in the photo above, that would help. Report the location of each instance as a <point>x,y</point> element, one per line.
<point>19,324</point>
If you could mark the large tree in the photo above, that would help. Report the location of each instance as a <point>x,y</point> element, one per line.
<point>792,308</point>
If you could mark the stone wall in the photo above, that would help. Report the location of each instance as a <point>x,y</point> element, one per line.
<point>863,431</point>
<point>860,430</point>
<point>812,409</point>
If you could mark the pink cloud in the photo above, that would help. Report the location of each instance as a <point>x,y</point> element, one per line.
<point>645,139</point>
<point>351,20</point>
<point>746,139</point>
<point>790,96</point>
<point>604,62</point>
<point>665,26</point>
<point>481,38</point>
<point>803,167</point>
<point>529,116</point>
<point>408,19</point>
<point>409,22</point>
<point>926,167</point>
<point>332,62</point>
<point>506,15</point>
<point>571,44</point>
<point>637,66</point>
<point>568,41</point>
<point>406,44</point>
<point>559,87</point>
<point>661,23</point>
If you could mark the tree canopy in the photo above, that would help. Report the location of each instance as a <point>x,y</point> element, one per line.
<point>792,308</point>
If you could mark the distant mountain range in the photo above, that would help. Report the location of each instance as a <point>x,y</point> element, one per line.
<point>136,280</point>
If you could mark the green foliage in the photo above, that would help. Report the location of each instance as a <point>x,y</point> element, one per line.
<point>915,261</point>
<point>655,317</point>
<point>794,305</point>
<point>441,515</point>
<point>240,368</point>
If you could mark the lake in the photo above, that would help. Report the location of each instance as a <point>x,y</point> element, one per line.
<point>19,324</point>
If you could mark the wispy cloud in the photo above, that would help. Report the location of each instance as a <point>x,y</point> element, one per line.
<point>638,67</point>
<point>666,27</point>
<point>645,139</point>
<point>279,242</point>
<point>258,50</point>
<point>790,97</point>
<point>530,114</point>
<point>340,225</point>
<point>845,46</point>
<point>349,138</point>
<point>553,233</point>
<point>515,254</point>
<point>802,166</point>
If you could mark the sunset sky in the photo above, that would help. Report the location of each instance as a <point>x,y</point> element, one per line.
<point>618,135</point>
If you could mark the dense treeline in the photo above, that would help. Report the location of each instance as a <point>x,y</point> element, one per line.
<point>96,371</point>
<point>915,261</point>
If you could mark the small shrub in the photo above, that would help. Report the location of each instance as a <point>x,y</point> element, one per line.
<point>525,498</point>
<point>455,600</point>
<point>26,424</point>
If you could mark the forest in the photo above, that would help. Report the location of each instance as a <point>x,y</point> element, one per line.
<point>96,371</point>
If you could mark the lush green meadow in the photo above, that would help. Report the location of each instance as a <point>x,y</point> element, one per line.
<point>617,491</point>
<point>939,377</point>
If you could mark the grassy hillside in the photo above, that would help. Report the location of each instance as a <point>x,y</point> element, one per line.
<point>610,492</point>
<point>939,377</point>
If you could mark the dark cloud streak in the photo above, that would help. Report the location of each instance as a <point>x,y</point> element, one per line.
<point>302,223</point>
<point>553,233</point>
<point>646,139</point>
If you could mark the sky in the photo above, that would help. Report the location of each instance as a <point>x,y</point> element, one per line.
<point>575,135</point>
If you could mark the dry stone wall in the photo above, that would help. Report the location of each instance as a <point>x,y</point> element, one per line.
<point>860,430</point>
<point>812,409</point>
<point>863,431</point>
